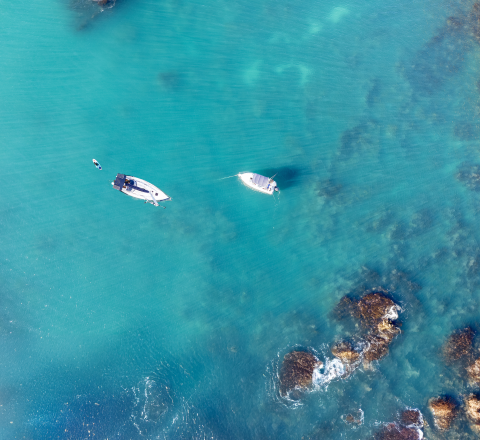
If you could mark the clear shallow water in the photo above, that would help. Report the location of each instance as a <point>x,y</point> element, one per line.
<point>126,321</point>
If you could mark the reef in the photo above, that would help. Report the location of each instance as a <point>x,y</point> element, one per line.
<point>344,351</point>
<point>469,175</point>
<point>473,371</point>
<point>472,408</point>
<point>297,371</point>
<point>443,56</point>
<point>444,411</point>
<point>474,20</point>
<point>359,138</point>
<point>459,345</point>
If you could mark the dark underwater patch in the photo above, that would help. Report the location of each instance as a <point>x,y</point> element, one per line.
<point>441,58</point>
<point>373,95</point>
<point>286,176</point>
<point>359,138</point>
<point>467,131</point>
<point>329,188</point>
<point>84,416</point>
<point>170,80</point>
<point>469,175</point>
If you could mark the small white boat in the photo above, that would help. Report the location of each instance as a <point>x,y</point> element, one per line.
<point>139,189</point>
<point>259,183</point>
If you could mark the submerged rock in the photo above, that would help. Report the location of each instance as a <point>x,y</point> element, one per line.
<point>474,18</point>
<point>459,345</point>
<point>473,371</point>
<point>297,371</point>
<point>344,351</point>
<point>444,411</point>
<point>344,308</point>
<point>354,418</point>
<point>470,176</point>
<point>472,408</point>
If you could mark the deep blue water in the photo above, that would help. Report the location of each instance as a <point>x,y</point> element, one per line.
<point>120,320</point>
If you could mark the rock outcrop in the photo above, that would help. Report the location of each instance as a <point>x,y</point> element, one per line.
<point>376,313</point>
<point>373,308</point>
<point>377,347</point>
<point>472,408</point>
<point>344,351</point>
<point>392,431</point>
<point>444,411</point>
<point>473,371</point>
<point>412,418</point>
<point>297,371</point>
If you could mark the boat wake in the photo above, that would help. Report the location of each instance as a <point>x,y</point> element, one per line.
<point>152,402</point>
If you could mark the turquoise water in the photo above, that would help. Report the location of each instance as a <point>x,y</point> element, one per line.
<point>124,321</point>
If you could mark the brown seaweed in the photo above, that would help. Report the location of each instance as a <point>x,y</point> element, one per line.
<point>459,345</point>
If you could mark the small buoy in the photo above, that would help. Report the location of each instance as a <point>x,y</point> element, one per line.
<point>95,162</point>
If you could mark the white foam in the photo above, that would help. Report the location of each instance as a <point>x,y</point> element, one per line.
<point>333,369</point>
<point>392,313</point>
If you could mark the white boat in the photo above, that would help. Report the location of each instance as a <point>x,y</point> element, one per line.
<point>139,189</point>
<point>258,183</point>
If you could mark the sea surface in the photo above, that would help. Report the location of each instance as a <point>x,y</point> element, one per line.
<point>120,320</point>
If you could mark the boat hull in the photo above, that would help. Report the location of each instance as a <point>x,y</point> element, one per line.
<point>153,191</point>
<point>247,180</point>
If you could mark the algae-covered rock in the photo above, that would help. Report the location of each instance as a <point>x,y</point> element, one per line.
<point>444,411</point>
<point>473,371</point>
<point>377,347</point>
<point>377,313</point>
<point>387,329</point>
<point>412,417</point>
<point>374,307</point>
<point>297,370</point>
<point>459,345</point>
<point>472,408</point>
<point>392,431</point>
<point>344,351</point>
